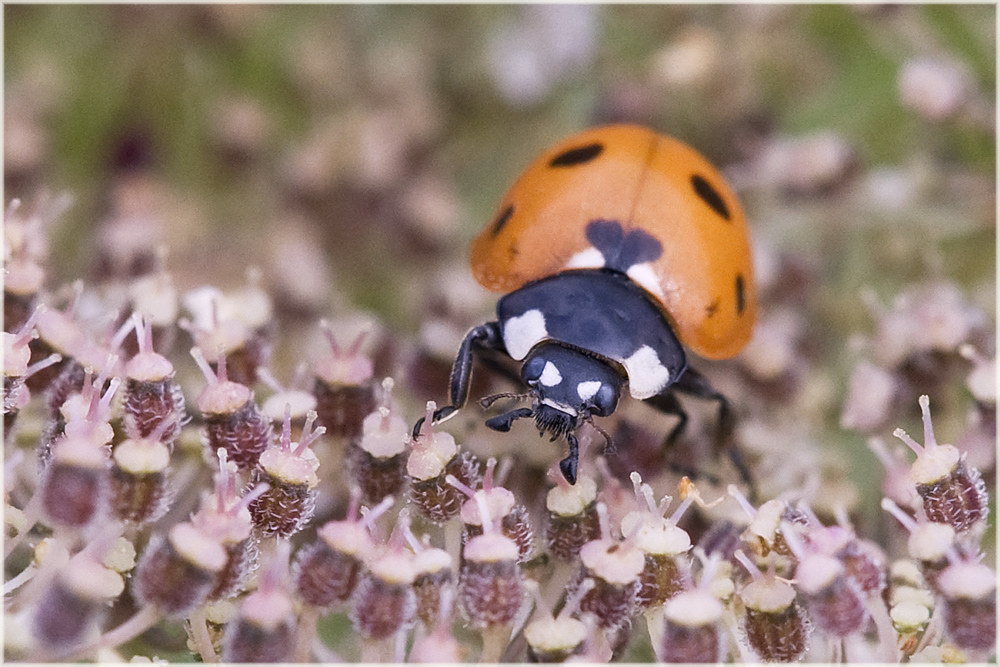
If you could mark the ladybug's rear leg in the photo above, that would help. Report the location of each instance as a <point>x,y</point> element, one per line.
<point>485,336</point>
<point>693,383</point>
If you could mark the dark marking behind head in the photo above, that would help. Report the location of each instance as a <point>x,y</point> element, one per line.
<point>501,220</point>
<point>575,156</point>
<point>622,250</point>
<point>741,303</point>
<point>709,195</point>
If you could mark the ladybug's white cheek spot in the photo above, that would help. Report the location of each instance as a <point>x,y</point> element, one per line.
<point>645,275</point>
<point>571,411</point>
<point>647,376</point>
<point>550,376</point>
<point>522,332</point>
<point>591,258</point>
<point>586,390</point>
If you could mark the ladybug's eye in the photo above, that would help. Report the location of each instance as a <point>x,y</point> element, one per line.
<point>575,156</point>
<point>709,195</point>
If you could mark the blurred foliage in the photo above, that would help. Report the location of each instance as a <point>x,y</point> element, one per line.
<point>159,70</point>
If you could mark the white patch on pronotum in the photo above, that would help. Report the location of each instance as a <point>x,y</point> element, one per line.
<point>550,376</point>
<point>591,258</point>
<point>645,275</point>
<point>647,376</point>
<point>522,332</point>
<point>586,390</point>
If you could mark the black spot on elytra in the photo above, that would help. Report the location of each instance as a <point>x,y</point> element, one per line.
<point>501,220</point>
<point>741,303</point>
<point>712,308</point>
<point>622,250</point>
<point>709,195</point>
<point>575,156</point>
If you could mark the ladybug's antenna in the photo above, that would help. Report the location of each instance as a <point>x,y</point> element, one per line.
<point>487,401</point>
<point>608,444</point>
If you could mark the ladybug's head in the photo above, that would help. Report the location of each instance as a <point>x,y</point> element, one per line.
<point>568,387</point>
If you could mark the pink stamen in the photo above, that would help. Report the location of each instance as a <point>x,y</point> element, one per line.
<point>491,465</point>
<point>309,436</point>
<point>50,360</point>
<point>328,332</point>
<point>484,513</point>
<point>405,525</point>
<point>750,567</point>
<point>370,516</point>
<point>679,512</point>
<point>220,362</point>
<point>892,508</point>
<point>925,411</point>
<point>122,333</point>
<point>286,428</point>
<point>750,510</point>
<point>427,428</point>
<point>268,378</point>
<point>356,345</point>
<point>26,333</point>
<point>460,485</point>
<point>203,365</point>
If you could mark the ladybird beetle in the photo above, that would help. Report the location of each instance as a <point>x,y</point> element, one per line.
<point>614,248</point>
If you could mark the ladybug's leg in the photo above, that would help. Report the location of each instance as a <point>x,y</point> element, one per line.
<point>695,384</point>
<point>503,422</point>
<point>571,463</point>
<point>485,336</point>
<point>667,403</point>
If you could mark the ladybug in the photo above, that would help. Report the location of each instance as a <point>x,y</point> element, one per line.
<point>614,249</point>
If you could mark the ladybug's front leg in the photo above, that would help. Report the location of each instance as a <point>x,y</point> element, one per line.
<point>485,336</point>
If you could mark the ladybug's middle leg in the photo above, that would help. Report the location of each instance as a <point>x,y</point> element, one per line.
<point>485,336</point>
<point>667,403</point>
<point>695,384</point>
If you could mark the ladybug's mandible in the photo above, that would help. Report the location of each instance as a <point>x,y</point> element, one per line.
<point>614,248</point>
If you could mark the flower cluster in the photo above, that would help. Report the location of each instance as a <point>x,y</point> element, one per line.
<point>149,481</point>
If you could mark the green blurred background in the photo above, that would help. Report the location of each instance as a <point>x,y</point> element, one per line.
<point>248,112</point>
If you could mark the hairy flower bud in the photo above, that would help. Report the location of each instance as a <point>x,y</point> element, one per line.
<point>343,387</point>
<point>572,516</point>
<point>151,395</point>
<point>377,460</point>
<point>290,471</point>
<point>433,456</point>
<point>232,420</point>
<point>952,492</point>
<point>179,570</point>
